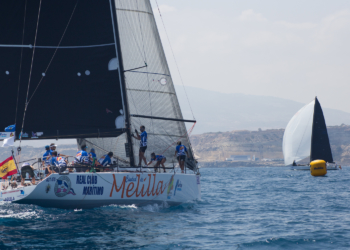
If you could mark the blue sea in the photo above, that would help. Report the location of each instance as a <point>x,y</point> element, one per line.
<point>241,208</point>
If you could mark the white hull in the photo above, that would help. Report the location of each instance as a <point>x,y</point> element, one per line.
<point>88,190</point>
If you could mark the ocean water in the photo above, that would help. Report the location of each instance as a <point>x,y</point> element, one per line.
<point>241,208</point>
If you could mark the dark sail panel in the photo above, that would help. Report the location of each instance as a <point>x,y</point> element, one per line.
<point>75,91</point>
<point>320,146</point>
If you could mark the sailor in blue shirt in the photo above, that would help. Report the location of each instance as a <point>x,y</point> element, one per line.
<point>82,157</point>
<point>106,159</point>
<point>181,152</point>
<point>160,159</point>
<point>46,159</point>
<point>57,162</point>
<point>143,144</point>
<point>92,153</point>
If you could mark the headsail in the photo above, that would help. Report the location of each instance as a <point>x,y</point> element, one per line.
<point>320,146</point>
<point>297,136</point>
<point>150,90</point>
<point>65,54</point>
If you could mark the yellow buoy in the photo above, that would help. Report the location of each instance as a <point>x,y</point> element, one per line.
<point>318,168</point>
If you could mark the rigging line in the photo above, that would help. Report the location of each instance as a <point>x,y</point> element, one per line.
<point>30,73</point>
<point>20,64</point>
<point>172,51</point>
<point>64,32</point>
<point>144,51</point>
<point>151,73</point>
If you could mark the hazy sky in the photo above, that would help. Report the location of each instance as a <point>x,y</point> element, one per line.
<point>289,49</point>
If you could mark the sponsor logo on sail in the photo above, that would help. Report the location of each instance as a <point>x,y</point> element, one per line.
<point>37,134</point>
<point>6,134</point>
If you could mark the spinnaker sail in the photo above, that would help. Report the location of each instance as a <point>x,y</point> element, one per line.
<point>297,136</point>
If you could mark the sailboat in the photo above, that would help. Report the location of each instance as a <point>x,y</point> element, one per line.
<point>93,71</point>
<point>305,137</point>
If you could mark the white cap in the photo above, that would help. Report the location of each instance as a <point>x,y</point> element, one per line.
<point>25,164</point>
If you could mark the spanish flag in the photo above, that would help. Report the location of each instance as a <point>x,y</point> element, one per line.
<point>7,168</point>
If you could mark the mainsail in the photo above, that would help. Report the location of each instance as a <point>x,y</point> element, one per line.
<point>91,70</point>
<point>151,96</point>
<point>60,69</point>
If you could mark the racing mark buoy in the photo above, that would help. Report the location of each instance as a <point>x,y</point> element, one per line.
<point>318,168</point>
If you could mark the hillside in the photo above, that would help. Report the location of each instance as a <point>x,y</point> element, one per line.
<point>32,152</point>
<point>263,144</point>
<point>219,112</point>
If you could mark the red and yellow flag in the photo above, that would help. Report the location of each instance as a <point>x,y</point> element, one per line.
<point>7,168</point>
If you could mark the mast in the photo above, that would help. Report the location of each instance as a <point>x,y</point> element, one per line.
<point>122,81</point>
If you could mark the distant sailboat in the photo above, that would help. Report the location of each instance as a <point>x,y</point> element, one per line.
<point>306,136</point>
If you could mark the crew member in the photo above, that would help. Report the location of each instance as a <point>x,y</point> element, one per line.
<point>161,159</point>
<point>46,159</point>
<point>58,162</point>
<point>143,144</point>
<point>106,159</point>
<point>82,157</point>
<point>92,153</point>
<point>181,152</point>
<point>53,147</point>
<point>27,168</point>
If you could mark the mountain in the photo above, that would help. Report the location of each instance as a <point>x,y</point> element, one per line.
<point>220,112</point>
<point>218,146</point>
<point>28,152</point>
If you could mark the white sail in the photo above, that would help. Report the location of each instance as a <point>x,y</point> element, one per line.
<point>297,136</point>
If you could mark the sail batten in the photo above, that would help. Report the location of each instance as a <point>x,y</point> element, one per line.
<point>54,47</point>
